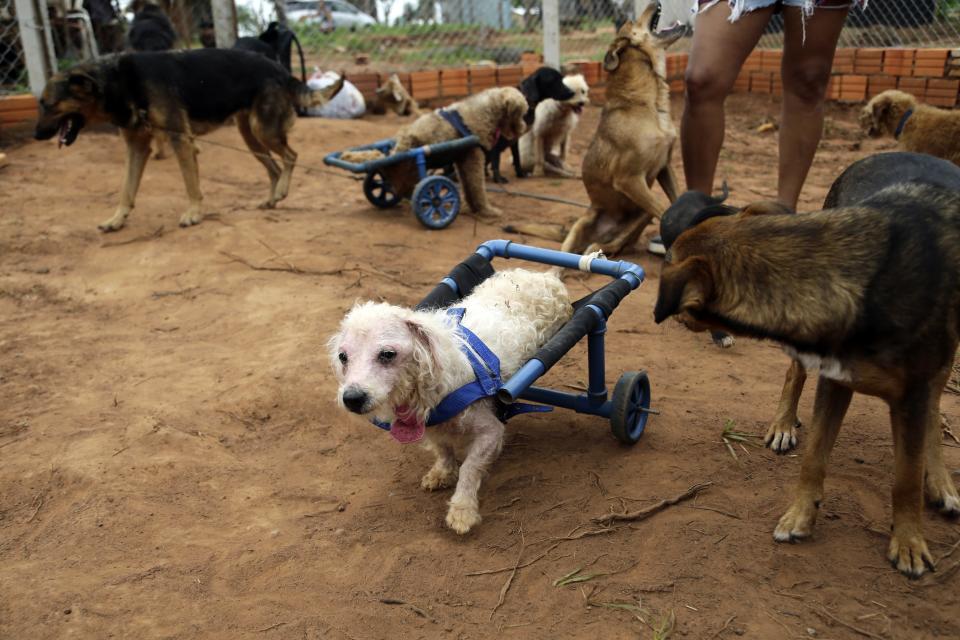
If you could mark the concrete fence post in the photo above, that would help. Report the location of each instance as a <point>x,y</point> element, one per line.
<point>224,22</point>
<point>36,42</point>
<point>550,16</point>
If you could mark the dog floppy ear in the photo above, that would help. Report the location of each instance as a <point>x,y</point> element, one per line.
<point>683,287</point>
<point>83,83</point>
<point>880,110</point>
<point>767,207</point>
<point>612,59</point>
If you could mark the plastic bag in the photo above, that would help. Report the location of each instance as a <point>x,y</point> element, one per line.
<point>348,103</point>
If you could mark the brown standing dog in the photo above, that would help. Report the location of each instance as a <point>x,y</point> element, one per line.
<point>632,146</point>
<point>870,294</point>
<point>177,96</point>
<point>918,127</point>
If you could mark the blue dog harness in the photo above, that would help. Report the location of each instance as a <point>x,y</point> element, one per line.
<point>486,369</point>
<point>456,121</point>
<point>902,123</point>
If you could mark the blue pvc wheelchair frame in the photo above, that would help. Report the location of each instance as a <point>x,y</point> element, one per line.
<point>520,386</point>
<point>419,155</point>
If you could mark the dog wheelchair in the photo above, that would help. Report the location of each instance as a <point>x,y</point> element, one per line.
<point>629,407</point>
<point>436,198</point>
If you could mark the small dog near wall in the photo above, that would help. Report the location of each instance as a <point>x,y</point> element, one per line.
<point>394,96</point>
<point>553,125</point>
<point>918,127</point>
<point>632,146</point>
<point>179,95</point>
<point>868,292</point>
<point>397,365</point>
<point>489,115</point>
<point>541,85</point>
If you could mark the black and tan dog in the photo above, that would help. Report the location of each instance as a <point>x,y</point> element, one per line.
<point>868,290</point>
<point>180,95</point>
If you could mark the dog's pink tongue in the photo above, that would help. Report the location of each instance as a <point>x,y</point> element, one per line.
<point>407,427</point>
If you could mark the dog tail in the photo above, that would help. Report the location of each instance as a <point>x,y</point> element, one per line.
<point>308,98</point>
<point>545,230</point>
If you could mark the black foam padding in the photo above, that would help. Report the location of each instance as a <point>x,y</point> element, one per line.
<point>584,321</point>
<point>468,274</point>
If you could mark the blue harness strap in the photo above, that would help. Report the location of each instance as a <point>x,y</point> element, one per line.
<point>486,383</point>
<point>902,123</point>
<point>456,121</point>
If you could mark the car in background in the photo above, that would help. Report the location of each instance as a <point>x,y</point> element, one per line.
<point>342,15</point>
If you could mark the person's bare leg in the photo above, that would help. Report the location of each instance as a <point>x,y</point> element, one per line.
<point>806,72</point>
<point>718,51</point>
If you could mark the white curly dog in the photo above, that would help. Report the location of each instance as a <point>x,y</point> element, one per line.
<point>396,365</point>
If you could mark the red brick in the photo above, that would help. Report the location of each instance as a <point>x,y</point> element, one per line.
<point>482,78</point>
<point>753,61</point>
<point>742,83</point>
<point>426,84</point>
<point>760,82</point>
<point>915,86</point>
<point>509,75</point>
<point>833,88</point>
<point>454,83</point>
<point>941,101</point>
<point>880,83</point>
<point>843,60</point>
<point>770,60</point>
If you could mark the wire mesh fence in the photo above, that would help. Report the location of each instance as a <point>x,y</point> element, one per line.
<point>410,35</point>
<point>13,68</point>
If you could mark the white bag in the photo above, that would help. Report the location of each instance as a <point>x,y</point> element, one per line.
<point>348,103</point>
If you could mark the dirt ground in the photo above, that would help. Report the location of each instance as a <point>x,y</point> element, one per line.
<point>173,464</point>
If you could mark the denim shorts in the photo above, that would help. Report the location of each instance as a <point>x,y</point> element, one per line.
<point>740,7</point>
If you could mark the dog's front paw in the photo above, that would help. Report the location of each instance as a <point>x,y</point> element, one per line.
<point>438,479</point>
<point>722,339</point>
<point>490,214</point>
<point>463,517</point>
<point>909,554</point>
<point>191,217</point>
<point>942,494</point>
<point>270,203</point>
<point>781,437</point>
<point>113,223</point>
<point>500,179</point>
<point>797,523</point>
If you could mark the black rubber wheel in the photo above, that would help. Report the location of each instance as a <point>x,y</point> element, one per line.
<point>379,192</point>
<point>436,202</point>
<point>631,399</point>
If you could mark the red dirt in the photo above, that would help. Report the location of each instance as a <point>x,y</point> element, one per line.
<point>174,465</point>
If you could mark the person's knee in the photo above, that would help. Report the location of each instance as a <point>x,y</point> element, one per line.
<point>705,85</point>
<point>807,82</point>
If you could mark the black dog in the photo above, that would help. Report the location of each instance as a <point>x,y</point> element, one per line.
<point>543,84</point>
<point>151,30</point>
<point>275,43</point>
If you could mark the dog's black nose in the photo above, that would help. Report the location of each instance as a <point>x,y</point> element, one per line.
<point>355,399</point>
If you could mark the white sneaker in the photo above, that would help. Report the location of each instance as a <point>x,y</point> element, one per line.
<point>656,246</point>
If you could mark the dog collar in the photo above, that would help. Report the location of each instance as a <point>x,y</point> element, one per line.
<point>486,383</point>
<point>902,123</point>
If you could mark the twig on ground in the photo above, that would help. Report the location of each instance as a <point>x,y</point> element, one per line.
<point>642,514</point>
<point>714,509</point>
<point>288,269</point>
<point>417,610</point>
<point>506,585</point>
<point>599,483</point>
<point>271,627</point>
<point>822,611</point>
<point>575,576</point>
<point>724,627</point>
<point>486,572</point>
<point>177,292</point>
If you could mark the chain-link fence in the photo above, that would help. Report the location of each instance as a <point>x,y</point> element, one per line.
<point>13,68</point>
<point>410,35</point>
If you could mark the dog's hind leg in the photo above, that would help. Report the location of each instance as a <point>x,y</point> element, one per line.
<point>782,434</point>
<point>464,511</point>
<point>627,237</point>
<point>668,182</point>
<point>911,417</point>
<point>443,473</point>
<point>470,170</point>
<point>273,134</point>
<point>580,233</point>
<point>138,152</point>
<point>259,150</point>
<point>829,407</point>
<point>940,490</point>
<point>186,153</point>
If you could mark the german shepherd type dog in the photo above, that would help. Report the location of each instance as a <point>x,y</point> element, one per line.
<point>179,95</point>
<point>868,290</point>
